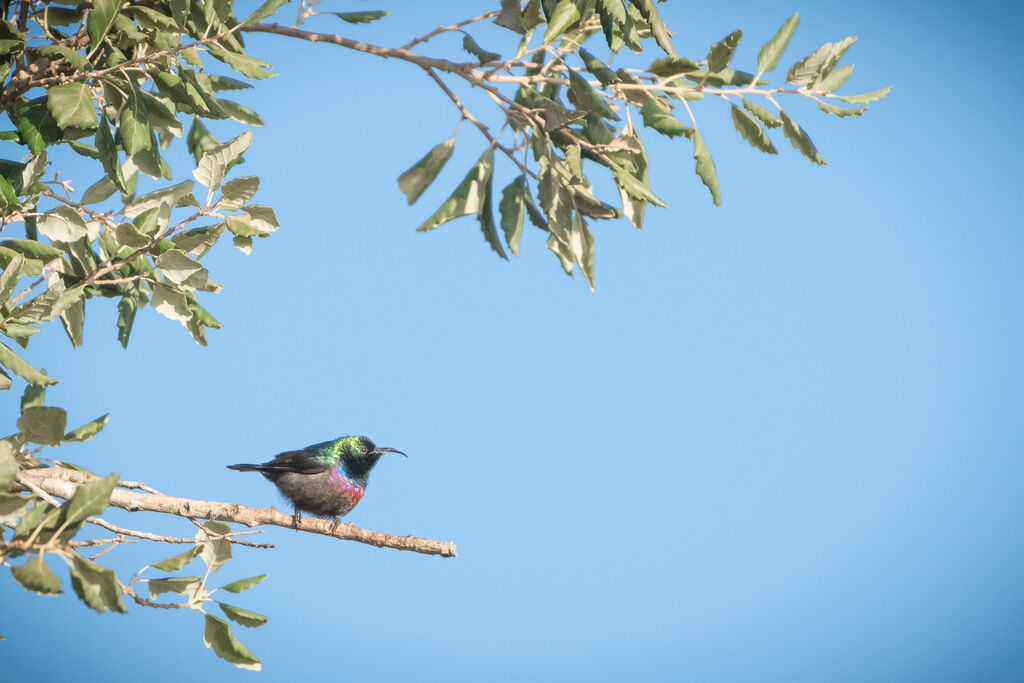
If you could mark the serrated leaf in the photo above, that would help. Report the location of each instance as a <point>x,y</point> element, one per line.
<point>841,111</point>
<point>864,98</point>
<point>214,164</point>
<point>834,80</point>
<point>468,198</point>
<point>657,27</point>
<point>43,425</point>
<point>513,210</point>
<point>73,320</point>
<point>766,117</point>
<point>19,367</point>
<point>127,307</point>
<point>634,187</point>
<point>799,139</point>
<point>511,17</point>
<point>62,224</point>
<point>819,63</point>
<point>582,244</point>
<point>243,584</point>
<point>243,64</point>
<point>242,616</point>
<point>562,251</point>
<point>37,577</point>
<point>585,97</point>
<point>87,431</point>
<point>672,66</point>
<point>265,10</point>
<point>360,17</point>
<point>484,56</point>
<point>663,122</point>
<point>721,52</point>
<point>71,106</point>
<point>566,14</point>
<point>217,635</point>
<point>706,167</point>
<point>421,174</point>
<point>752,132</point>
<point>486,218</point>
<point>179,585</point>
<point>176,562</point>
<point>96,585</point>
<point>771,52</point>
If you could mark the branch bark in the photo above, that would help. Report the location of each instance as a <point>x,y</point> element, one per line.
<point>62,483</point>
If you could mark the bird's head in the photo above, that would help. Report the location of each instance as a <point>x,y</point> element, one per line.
<point>360,454</point>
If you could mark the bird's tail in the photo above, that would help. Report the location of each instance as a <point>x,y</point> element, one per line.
<point>245,468</point>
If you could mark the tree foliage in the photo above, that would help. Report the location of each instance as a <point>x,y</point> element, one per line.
<point>115,84</point>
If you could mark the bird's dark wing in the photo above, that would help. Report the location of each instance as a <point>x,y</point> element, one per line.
<point>301,462</point>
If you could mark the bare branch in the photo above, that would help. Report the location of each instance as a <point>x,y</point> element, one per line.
<point>62,483</point>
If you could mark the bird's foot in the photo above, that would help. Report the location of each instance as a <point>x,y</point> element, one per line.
<point>296,519</point>
<point>335,523</point>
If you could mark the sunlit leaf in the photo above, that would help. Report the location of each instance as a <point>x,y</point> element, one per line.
<point>799,139</point>
<point>37,577</point>
<point>771,52</point>
<point>96,585</point>
<point>217,635</point>
<point>706,167</point>
<point>421,174</point>
<point>242,616</point>
<point>752,131</point>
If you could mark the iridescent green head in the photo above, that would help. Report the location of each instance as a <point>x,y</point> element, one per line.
<point>359,455</point>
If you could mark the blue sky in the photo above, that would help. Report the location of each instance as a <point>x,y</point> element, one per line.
<point>781,441</point>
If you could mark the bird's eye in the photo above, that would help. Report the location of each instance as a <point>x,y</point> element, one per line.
<point>363,449</point>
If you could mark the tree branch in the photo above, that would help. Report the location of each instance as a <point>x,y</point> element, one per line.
<point>62,483</point>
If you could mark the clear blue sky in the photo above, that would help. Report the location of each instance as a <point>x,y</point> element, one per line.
<point>781,442</point>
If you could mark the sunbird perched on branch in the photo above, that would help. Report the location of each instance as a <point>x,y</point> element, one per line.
<point>326,479</point>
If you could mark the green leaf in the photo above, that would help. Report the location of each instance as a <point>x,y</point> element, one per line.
<point>864,98</point>
<point>486,218</point>
<point>216,552</point>
<point>835,79</point>
<point>87,431</point>
<point>240,113</point>
<point>242,616</point>
<point>562,251</point>
<point>180,269</point>
<point>468,198</point>
<point>706,167</point>
<point>214,164</point>
<point>841,111</point>
<point>12,507</point>
<point>127,308</point>
<point>73,320</point>
<point>101,18</point>
<point>168,195</point>
<point>484,56</point>
<point>585,97</point>
<point>176,562</point>
<point>262,218</point>
<point>657,26</point>
<point>582,244</point>
<point>766,117</point>
<point>513,210</point>
<point>600,70</point>
<point>218,636</point>
<point>15,364</point>
<point>421,174</point>
<point>71,106</point>
<point>238,191</point>
<point>34,249</point>
<point>43,425</point>
<point>819,63</point>
<point>36,125</point>
<point>634,187</point>
<point>53,52</point>
<point>243,64</point>
<point>360,17</point>
<point>243,584</point>
<point>244,244</point>
<point>663,122</point>
<point>62,224</point>
<point>265,10</point>
<point>179,585</point>
<point>37,577</point>
<point>511,17</point>
<point>672,66</point>
<point>721,52</point>
<point>771,52</point>
<point>752,131</point>
<point>565,15</point>
<point>96,585</point>
<point>8,468</point>
<point>170,303</point>
<point>799,139</point>
<point>89,499</point>
<point>133,123</point>
<point>10,276</point>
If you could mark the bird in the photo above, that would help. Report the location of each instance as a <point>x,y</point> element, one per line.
<point>326,479</point>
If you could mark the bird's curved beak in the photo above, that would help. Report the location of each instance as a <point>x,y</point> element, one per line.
<point>381,451</point>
